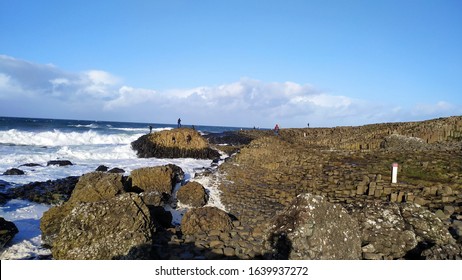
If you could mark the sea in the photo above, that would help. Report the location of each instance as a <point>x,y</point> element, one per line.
<point>87,144</point>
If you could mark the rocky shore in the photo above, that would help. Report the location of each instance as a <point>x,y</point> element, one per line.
<point>312,193</point>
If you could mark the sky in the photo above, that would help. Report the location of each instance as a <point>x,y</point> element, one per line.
<point>232,63</point>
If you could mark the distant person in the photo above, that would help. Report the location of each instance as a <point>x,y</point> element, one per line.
<point>179,123</point>
<point>150,129</point>
<point>308,124</point>
<point>276,129</point>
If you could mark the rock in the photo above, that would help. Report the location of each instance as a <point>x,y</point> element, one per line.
<point>205,219</point>
<point>91,187</point>
<point>96,186</point>
<point>14,171</point>
<point>193,194</point>
<point>314,229</point>
<point>31,164</point>
<point>7,231</point>
<point>59,162</point>
<point>119,228</point>
<point>383,230</point>
<point>102,168</point>
<point>399,230</point>
<point>49,192</point>
<point>116,170</point>
<point>175,143</point>
<point>161,179</point>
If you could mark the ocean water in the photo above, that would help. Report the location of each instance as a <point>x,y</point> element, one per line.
<point>87,144</point>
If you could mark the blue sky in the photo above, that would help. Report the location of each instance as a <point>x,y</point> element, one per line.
<point>234,63</point>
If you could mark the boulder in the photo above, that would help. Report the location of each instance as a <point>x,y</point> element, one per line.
<point>193,194</point>
<point>205,219</point>
<point>96,186</point>
<point>161,179</point>
<point>384,233</point>
<point>59,162</point>
<point>102,168</point>
<point>314,229</point>
<point>119,228</point>
<point>91,187</point>
<point>14,171</point>
<point>175,143</point>
<point>116,170</point>
<point>407,230</point>
<point>7,231</point>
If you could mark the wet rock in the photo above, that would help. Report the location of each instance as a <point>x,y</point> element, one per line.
<point>59,162</point>
<point>7,231</point>
<point>193,194</point>
<point>116,170</point>
<point>14,171</point>
<point>102,168</point>
<point>119,228</point>
<point>49,192</point>
<point>205,219</point>
<point>313,228</point>
<point>31,164</point>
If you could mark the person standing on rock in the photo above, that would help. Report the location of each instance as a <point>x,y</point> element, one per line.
<point>179,122</point>
<point>276,130</point>
<point>150,129</point>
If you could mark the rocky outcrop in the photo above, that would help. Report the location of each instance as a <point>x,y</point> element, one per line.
<point>314,229</point>
<point>175,143</point>
<point>192,194</point>
<point>205,219</point>
<point>14,171</point>
<point>59,162</point>
<point>119,228</point>
<point>7,231</point>
<point>49,192</point>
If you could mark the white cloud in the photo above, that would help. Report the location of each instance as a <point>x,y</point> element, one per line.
<point>27,87</point>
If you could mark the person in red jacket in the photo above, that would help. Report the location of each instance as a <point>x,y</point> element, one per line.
<point>276,129</point>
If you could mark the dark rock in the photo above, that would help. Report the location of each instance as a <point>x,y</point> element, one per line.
<point>14,171</point>
<point>102,168</point>
<point>7,231</point>
<point>31,164</point>
<point>162,217</point>
<point>175,143</point>
<point>205,219</point>
<point>49,192</point>
<point>59,162</point>
<point>193,194</point>
<point>116,170</point>
<point>233,138</point>
<point>118,228</point>
<point>314,229</point>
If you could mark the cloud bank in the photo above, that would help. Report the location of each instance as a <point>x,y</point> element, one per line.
<point>41,90</point>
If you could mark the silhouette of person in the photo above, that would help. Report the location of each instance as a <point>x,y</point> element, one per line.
<point>179,123</point>
<point>150,129</point>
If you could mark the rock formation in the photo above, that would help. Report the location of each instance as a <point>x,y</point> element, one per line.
<point>192,194</point>
<point>205,219</point>
<point>175,143</point>
<point>118,228</point>
<point>7,232</point>
<point>314,229</point>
